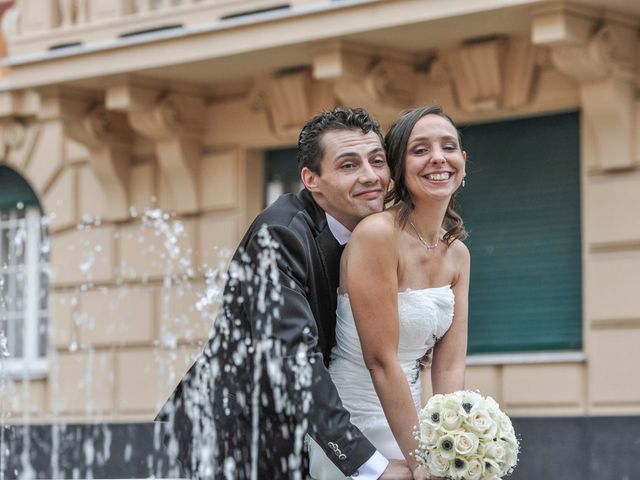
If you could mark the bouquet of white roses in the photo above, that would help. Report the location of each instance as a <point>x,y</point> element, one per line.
<point>464,435</point>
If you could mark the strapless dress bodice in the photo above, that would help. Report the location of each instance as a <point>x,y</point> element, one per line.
<point>425,315</point>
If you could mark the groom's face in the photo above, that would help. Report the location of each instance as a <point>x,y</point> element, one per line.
<point>353,177</point>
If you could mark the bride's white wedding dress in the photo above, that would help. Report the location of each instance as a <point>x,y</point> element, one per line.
<point>425,316</point>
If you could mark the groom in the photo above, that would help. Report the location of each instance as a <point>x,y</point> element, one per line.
<point>261,384</point>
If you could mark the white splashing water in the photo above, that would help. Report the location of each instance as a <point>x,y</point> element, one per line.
<point>179,274</point>
<point>4,354</point>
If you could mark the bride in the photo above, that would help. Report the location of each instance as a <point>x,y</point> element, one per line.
<point>399,276</point>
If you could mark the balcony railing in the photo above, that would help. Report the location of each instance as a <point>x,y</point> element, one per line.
<point>42,25</point>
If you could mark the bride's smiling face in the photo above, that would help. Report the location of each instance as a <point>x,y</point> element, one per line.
<point>435,163</point>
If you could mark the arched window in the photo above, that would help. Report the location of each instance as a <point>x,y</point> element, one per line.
<point>24,280</point>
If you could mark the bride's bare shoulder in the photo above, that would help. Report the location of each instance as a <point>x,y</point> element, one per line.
<point>460,253</point>
<point>379,227</point>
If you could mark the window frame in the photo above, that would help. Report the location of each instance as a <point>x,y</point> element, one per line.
<point>30,365</point>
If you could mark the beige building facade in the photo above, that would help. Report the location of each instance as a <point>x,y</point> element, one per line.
<point>112,108</point>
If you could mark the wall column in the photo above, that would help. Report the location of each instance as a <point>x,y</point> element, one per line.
<point>600,53</point>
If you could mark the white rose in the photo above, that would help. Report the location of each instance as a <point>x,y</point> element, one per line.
<point>474,469</point>
<point>465,443</point>
<point>511,459</point>
<point>492,432</point>
<point>505,424</point>
<point>480,421</point>
<point>450,419</point>
<point>495,451</point>
<point>438,465</point>
<point>511,444</point>
<point>428,434</point>
<point>490,403</point>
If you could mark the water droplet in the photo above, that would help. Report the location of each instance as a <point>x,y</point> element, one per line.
<point>87,262</point>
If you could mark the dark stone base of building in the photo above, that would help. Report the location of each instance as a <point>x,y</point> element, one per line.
<point>583,448</point>
<point>115,450</point>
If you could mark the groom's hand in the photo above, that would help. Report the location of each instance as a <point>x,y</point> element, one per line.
<point>397,470</point>
<point>426,359</point>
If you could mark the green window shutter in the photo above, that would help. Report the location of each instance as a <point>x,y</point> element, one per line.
<point>15,190</point>
<point>521,205</point>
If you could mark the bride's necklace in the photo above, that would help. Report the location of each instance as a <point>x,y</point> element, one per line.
<point>422,240</point>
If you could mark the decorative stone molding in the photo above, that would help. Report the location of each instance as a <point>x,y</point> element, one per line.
<point>476,73</point>
<point>106,136</point>
<point>12,134</point>
<point>174,124</point>
<point>19,103</point>
<point>611,51</point>
<point>289,99</point>
<point>520,64</point>
<point>600,53</point>
<point>491,74</point>
<point>17,107</point>
<point>384,83</point>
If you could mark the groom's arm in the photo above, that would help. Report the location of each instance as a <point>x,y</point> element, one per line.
<point>280,313</point>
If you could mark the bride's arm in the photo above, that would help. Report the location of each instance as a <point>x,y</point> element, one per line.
<point>372,282</point>
<point>449,355</point>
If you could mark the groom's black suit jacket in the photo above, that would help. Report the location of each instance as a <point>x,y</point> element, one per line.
<point>262,382</point>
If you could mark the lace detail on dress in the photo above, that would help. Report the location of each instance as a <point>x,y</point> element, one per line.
<point>416,371</point>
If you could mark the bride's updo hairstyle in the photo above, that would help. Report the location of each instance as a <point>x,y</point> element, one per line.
<point>396,140</point>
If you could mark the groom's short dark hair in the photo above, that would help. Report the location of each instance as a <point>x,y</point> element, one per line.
<point>310,149</point>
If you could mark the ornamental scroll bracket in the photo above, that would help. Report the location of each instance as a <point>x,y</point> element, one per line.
<point>174,124</point>
<point>18,132</point>
<point>288,99</point>
<point>600,53</point>
<point>108,138</point>
<point>383,83</point>
<point>12,134</point>
<point>491,74</point>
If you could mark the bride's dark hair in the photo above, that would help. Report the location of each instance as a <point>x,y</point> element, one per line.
<point>396,140</point>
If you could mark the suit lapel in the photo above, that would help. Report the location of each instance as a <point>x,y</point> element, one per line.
<point>328,247</point>
<point>329,251</point>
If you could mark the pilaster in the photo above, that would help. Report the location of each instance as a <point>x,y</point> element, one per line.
<point>599,51</point>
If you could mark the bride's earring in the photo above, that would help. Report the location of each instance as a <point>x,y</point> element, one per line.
<point>464,181</point>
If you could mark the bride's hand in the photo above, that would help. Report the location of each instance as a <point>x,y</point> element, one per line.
<point>420,473</point>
